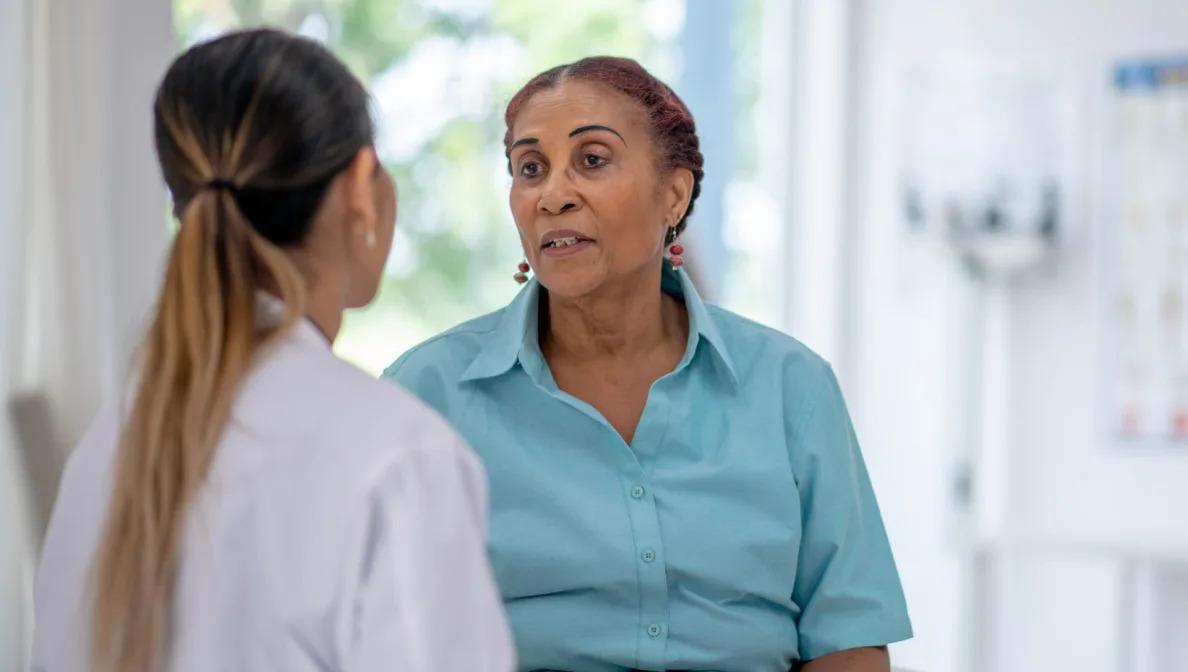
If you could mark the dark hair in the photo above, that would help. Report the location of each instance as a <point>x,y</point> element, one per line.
<point>276,115</point>
<point>669,120</point>
<point>250,128</point>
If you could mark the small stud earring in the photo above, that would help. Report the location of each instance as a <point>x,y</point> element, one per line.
<point>521,275</point>
<point>369,239</point>
<point>675,250</point>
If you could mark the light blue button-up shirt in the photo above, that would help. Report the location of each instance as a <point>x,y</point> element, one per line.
<point>737,532</point>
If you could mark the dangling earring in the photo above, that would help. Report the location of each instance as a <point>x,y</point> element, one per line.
<point>675,250</point>
<point>522,275</point>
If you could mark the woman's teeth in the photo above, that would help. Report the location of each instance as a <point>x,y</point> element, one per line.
<point>563,242</point>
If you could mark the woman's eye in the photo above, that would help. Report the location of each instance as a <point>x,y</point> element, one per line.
<point>530,169</point>
<point>593,160</point>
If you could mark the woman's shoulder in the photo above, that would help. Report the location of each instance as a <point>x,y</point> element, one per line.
<point>343,434</point>
<point>312,399</point>
<point>754,346</point>
<point>446,356</point>
<point>388,407</point>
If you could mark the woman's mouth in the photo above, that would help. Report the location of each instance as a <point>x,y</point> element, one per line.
<point>564,243</point>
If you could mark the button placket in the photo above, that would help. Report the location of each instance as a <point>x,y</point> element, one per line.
<point>640,500</point>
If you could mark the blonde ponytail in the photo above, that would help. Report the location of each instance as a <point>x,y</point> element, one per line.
<point>195,355</point>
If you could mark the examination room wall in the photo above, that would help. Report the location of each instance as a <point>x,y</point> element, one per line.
<point>1070,551</point>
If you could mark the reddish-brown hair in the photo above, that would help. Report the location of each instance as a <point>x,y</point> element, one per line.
<point>671,124</point>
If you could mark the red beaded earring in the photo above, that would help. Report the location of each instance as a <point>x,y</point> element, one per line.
<point>522,275</point>
<point>675,250</point>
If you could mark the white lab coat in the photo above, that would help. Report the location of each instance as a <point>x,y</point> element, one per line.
<point>342,527</point>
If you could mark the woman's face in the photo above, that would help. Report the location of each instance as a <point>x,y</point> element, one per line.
<point>589,199</point>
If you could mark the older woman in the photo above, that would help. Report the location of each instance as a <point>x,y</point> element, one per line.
<point>672,486</point>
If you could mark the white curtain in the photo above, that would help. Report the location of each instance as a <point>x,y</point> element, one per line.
<point>82,231</point>
<point>12,496</point>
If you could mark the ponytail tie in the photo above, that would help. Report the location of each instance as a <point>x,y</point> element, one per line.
<point>219,183</point>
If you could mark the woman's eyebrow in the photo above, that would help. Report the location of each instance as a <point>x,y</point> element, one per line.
<point>596,127</point>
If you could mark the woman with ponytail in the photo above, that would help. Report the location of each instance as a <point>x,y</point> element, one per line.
<point>254,503</point>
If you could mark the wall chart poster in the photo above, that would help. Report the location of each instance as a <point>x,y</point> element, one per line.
<point>1146,247</point>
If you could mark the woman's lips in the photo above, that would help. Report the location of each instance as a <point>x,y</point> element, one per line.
<point>564,243</point>
<point>567,249</point>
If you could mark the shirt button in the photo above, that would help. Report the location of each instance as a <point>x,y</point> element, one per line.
<point>637,492</point>
<point>654,630</point>
<point>648,555</point>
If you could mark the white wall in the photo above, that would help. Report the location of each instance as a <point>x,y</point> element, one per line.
<point>1055,586</point>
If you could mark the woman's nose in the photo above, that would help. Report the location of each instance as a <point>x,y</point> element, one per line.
<point>557,210</point>
<point>558,196</point>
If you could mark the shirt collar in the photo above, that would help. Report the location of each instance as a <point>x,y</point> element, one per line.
<point>516,335</point>
<point>270,310</point>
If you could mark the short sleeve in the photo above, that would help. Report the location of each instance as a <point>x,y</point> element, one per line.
<point>427,599</point>
<point>846,587</point>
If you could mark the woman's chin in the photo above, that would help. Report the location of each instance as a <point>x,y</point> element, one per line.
<point>571,284</point>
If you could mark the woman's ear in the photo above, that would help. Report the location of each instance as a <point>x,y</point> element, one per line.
<point>358,186</point>
<point>680,190</point>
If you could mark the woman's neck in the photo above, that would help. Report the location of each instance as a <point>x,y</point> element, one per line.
<point>324,294</point>
<point>325,311</point>
<point>623,319</point>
